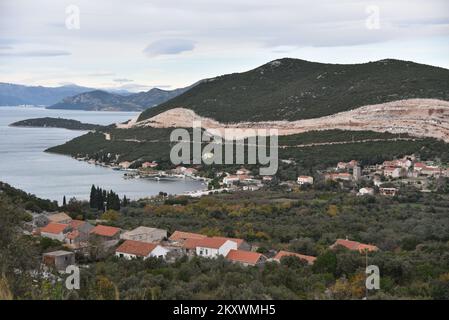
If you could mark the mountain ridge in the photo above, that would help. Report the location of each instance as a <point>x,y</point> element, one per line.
<point>16,94</point>
<point>101,100</point>
<point>295,89</point>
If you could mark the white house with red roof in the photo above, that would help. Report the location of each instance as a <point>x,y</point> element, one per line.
<point>55,231</point>
<point>246,258</point>
<point>214,246</point>
<point>305,180</point>
<point>131,249</point>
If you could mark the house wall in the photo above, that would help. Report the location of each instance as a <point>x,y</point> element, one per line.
<point>127,256</point>
<point>150,237</point>
<point>226,247</point>
<point>59,236</point>
<point>206,252</point>
<point>62,262</point>
<point>159,252</point>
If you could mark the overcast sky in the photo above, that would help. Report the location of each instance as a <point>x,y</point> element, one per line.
<point>139,44</point>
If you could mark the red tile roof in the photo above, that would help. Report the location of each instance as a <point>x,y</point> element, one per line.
<point>138,248</point>
<point>181,236</point>
<point>354,245</point>
<point>213,242</point>
<point>190,243</point>
<point>244,256</point>
<point>105,231</point>
<point>54,228</point>
<point>281,254</point>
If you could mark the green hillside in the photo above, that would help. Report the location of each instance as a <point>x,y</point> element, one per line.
<point>154,144</point>
<point>293,89</point>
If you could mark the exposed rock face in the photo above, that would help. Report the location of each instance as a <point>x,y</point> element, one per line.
<point>417,117</point>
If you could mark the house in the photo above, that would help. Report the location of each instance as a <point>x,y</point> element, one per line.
<point>213,247</point>
<point>125,164</point>
<point>241,244</point>
<point>230,180</point>
<point>310,259</point>
<point>393,172</point>
<point>267,178</point>
<point>357,173</point>
<point>180,236</point>
<point>105,233</point>
<point>305,180</point>
<point>59,260</point>
<point>338,176</point>
<point>388,191</point>
<point>243,171</point>
<point>131,249</point>
<point>246,258</point>
<point>354,245</point>
<point>431,171</point>
<point>190,171</point>
<point>189,246</point>
<point>152,164</point>
<point>366,192</point>
<point>347,165</point>
<point>79,233</point>
<point>179,170</point>
<point>145,234</point>
<point>55,231</point>
<point>418,166</point>
<point>60,218</point>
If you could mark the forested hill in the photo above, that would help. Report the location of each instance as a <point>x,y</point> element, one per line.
<point>293,89</point>
<point>49,122</point>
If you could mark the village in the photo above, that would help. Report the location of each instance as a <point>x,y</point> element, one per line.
<point>78,237</point>
<point>385,178</point>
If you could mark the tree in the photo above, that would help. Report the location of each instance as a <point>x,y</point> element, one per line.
<point>326,263</point>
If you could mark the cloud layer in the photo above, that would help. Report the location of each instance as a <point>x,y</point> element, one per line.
<point>181,41</point>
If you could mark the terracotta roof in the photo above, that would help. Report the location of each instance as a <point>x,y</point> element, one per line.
<point>190,243</point>
<point>105,231</point>
<point>58,217</point>
<point>282,254</point>
<point>419,165</point>
<point>181,235</point>
<point>244,256</point>
<point>213,242</point>
<point>354,245</point>
<point>141,249</point>
<point>54,228</point>
<point>75,224</point>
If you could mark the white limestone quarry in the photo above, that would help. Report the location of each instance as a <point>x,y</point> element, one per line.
<point>416,117</point>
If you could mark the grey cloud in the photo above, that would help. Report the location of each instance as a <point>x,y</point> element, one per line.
<point>35,53</point>
<point>168,46</point>
<point>123,80</point>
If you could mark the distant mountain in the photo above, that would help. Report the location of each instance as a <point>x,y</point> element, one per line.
<point>98,100</point>
<point>293,89</point>
<point>15,94</point>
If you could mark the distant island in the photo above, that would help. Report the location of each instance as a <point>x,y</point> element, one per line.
<point>49,122</point>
